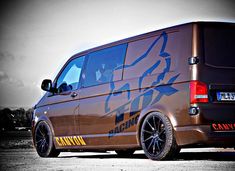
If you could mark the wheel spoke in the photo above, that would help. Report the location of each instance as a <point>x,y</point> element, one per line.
<point>150,144</point>
<point>39,136</point>
<point>154,147</point>
<point>147,131</point>
<point>40,131</point>
<point>162,131</point>
<point>46,143</point>
<point>161,140</point>
<point>40,146</point>
<point>42,149</point>
<point>159,124</point>
<point>39,141</point>
<point>150,125</point>
<point>158,145</point>
<point>148,138</point>
<point>154,123</point>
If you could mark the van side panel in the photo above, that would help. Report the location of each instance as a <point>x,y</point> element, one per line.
<point>155,74</point>
<point>175,102</point>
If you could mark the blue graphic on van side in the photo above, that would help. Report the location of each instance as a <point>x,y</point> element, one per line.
<point>148,96</point>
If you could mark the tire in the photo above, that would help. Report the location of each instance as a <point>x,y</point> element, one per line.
<point>125,153</point>
<point>44,140</point>
<point>157,138</point>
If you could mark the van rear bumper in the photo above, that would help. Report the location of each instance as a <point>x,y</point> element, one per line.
<point>202,135</point>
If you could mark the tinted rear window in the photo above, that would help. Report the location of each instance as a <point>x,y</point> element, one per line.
<point>101,66</point>
<point>219,45</point>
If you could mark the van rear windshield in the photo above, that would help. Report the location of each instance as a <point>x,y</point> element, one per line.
<point>219,45</point>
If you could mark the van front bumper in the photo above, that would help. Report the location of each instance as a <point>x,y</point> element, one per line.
<point>203,136</point>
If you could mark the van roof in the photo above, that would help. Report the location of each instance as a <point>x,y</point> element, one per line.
<point>141,36</point>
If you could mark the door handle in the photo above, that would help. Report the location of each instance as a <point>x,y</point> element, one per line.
<point>74,94</point>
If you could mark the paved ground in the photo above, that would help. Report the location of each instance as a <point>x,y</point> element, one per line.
<point>190,159</point>
<point>18,154</point>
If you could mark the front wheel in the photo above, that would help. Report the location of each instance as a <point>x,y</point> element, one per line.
<point>44,141</point>
<point>157,138</point>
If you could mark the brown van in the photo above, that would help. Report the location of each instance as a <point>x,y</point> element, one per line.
<point>160,92</point>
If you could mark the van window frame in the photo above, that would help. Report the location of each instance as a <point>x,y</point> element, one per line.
<point>202,44</point>
<point>62,70</point>
<point>86,62</point>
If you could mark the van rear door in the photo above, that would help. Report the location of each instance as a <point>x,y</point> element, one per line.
<point>217,70</point>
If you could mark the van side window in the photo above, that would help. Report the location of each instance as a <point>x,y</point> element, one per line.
<point>104,66</point>
<point>69,78</point>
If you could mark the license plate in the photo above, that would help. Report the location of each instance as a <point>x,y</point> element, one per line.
<point>225,96</point>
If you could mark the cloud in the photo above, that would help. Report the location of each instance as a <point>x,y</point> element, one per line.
<point>3,76</point>
<point>5,79</point>
<point>16,93</point>
<point>6,56</point>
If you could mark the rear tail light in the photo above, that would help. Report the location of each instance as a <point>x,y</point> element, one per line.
<point>198,92</point>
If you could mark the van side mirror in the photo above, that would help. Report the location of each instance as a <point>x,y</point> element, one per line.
<point>47,85</point>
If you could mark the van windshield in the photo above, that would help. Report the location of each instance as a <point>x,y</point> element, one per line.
<point>219,41</point>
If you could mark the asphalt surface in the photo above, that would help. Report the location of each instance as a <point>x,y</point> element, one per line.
<point>189,159</point>
<point>18,154</point>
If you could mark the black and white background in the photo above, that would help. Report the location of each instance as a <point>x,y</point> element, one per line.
<point>38,36</point>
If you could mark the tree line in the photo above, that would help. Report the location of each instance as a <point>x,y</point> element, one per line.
<point>15,119</point>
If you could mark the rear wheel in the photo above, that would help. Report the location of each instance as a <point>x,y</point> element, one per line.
<point>157,137</point>
<point>125,153</point>
<point>44,141</point>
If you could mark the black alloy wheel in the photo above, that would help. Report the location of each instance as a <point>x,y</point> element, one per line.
<point>157,138</point>
<point>44,141</point>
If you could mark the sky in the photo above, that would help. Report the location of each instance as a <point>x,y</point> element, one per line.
<point>37,37</point>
